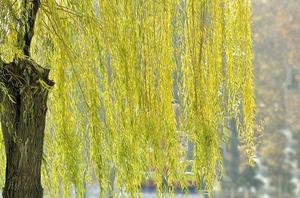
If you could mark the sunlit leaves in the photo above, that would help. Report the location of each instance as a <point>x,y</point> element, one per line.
<point>111,112</point>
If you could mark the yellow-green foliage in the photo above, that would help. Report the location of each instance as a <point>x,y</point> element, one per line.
<point>110,111</point>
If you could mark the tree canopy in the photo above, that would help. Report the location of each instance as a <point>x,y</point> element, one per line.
<point>114,64</point>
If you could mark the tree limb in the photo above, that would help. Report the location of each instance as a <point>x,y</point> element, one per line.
<point>26,24</point>
<point>1,62</point>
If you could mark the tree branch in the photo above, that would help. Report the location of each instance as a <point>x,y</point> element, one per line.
<point>26,24</point>
<point>1,64</point>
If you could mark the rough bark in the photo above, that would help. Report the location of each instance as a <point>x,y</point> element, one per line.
<point>24,89</point>
<point>23,122</point>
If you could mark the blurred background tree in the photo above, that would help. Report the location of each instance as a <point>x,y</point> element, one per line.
<point>276,41</point>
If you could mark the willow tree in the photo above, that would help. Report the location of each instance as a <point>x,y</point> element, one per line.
<point>110,110</point>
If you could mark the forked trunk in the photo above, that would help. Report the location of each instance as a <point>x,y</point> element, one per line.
<point>24,99</point>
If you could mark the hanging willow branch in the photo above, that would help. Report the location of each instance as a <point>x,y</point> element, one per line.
<point>111,110</point>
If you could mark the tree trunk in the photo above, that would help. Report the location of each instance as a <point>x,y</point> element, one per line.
<point>24,94</point>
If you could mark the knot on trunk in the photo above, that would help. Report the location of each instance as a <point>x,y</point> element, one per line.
<point>22,74</point>
<point>25,72</point>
